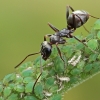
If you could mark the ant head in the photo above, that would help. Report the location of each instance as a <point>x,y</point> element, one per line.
<point>46,50</point>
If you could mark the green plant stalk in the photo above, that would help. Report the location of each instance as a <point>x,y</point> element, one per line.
<point>81,64</point>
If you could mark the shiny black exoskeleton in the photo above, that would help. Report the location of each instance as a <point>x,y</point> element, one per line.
<point>46,49</point>
<point>74,20</point>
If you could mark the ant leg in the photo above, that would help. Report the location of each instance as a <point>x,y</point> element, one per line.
<point>83,43</point>
<point>94,17</point>
<point>81,22</point>
<point>74,23</point>
<point>53,27</point>
<point>37,77</point>
<point>59,52</point>
<point>71,8</point>
<point>48,35</point>
<point>26,58</point>
<point>67,11</point>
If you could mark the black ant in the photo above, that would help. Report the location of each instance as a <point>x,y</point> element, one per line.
<point>74,20</point>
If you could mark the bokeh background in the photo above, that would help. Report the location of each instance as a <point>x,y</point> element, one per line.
<point>23,23</point>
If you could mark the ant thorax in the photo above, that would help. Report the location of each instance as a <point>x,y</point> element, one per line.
<point>54,38</point>
<point>65,32</point>
<point>80,17</point>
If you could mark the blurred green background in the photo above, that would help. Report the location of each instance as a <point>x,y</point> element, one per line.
<point>23,23</point>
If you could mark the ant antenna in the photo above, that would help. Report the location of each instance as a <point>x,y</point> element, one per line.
<point>26,58</point>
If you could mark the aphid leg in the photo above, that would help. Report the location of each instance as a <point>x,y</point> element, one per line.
<point>26,58</point>
<point>37,77</point>
<point>94,17</point>
<point>81,22</point>
<point>53,27</point>
<point>48,35</point>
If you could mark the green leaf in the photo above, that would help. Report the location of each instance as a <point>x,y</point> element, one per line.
<point>50,81</point>
<point>44,74</point>
<point>79,46</point>
<point>30,98</point>
<point>81,65</point>
<point>93,57</point>
<point>99,56</point>
<point>27,79</point>
<point>19,79</point>
<point>75,71</point>
<point>98,34</point>
<point>29,87</point>
<point>19,88</point>
<point>54,53</point>
<point>7,91</point>
<point>27,73</point>
<point>1,89</point>
<point>56,97</point>
<point>54,88</point>
<point>96,64</point>
<point>97,25</point>
<point>93,44</point>
<point>9,78</point>
<point>13,96</point>
<point>59,65</point>
<point>11,85</point>
<point>68,50</point>
<point>88,67</point>
<point>37,62</point>
<point>72,40</point>
<point>39,90</point>
<point>94,70</point>
<point>73,79</point>
<point>89,37</point>
<point>1,98</point>
<point>52,72</point>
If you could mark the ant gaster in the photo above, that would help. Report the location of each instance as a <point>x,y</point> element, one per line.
<point>74,20</point>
